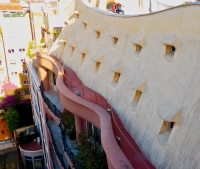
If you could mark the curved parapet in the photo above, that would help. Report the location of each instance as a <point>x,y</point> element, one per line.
<point>88,111</point>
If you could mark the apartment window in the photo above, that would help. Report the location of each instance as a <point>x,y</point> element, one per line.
<point>84,25</point>
<point>116,77</point>
<point>83,57</point>
<point>77,15</point>
<point>36,162</point>
<point>138,48</point>
<point>54,79</point>
<point>169,53</point>
<point>11,50</point>
<point>165,132</point>
<point>98,34</point>
<point>172,49</point>
<point>24,72</point>
<point>115,40</point>
<point>73,49</point>
<point>13,73</point>
<point>26,82</point>
<point>27,92</point>
<point>136,99</point>
<point>23,60</point>
<point>97,66</point>
<point>170,125</point>
<point>12,62</point>
<point>22,50</point>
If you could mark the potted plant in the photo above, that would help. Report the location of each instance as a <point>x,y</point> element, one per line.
<point>89,152</point>
<point>71,133</point>
<point>69,122</point>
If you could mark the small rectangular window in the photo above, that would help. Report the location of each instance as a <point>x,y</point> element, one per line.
<point>116,77</point>
<point>173,49</point>
<point>26,82</point>
<point>115,40</point>
<point>27,92</point>
<point>170,125</point>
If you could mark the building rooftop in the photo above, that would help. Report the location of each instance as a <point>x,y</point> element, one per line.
<point>10,7</point>
<point>33,146</point>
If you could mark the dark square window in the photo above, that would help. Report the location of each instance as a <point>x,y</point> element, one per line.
<point>170,125</point>
<point>173,49</point>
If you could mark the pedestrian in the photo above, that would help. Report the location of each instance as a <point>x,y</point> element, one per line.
<point>119,9</point>
<point>113,8</point>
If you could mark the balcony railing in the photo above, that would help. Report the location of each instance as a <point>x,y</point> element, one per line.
<point>51,154</point>
<point>27,138</point>
<point>67,148</point>
<point>59,155</point>
<point>50,105</point>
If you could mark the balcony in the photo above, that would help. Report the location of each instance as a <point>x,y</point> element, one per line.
<point>31,151</point>
<point>26,135</point>
<point>53,156</point>
<point>51,98</point>
<point>95,107</point>
<point>57,142</point>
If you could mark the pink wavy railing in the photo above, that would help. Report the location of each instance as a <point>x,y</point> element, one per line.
<point>89,111</point>
<point>127,144</point>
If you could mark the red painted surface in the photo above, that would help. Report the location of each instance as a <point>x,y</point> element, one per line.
<point>128,145</point>
<point>33,146</point>
<point>4,133</point>
<point>85,108</point>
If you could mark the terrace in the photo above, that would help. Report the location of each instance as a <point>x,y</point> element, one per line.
<point>124,140</point>
<point>31,151</point>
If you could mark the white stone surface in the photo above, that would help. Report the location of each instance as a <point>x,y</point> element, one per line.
<point>177,81</point>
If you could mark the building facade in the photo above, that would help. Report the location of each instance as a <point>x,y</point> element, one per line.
<point>14,25</point>
<point>131,79</point>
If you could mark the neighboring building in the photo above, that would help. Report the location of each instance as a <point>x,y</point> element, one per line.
<point>30,149</point>
<point>15,35</point>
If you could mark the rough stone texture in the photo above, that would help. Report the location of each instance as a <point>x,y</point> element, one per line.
<point>176,81</point>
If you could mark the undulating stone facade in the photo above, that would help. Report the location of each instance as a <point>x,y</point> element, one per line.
<point>148,68</point>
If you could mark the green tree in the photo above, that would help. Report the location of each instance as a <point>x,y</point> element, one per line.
<point>90,155</point>
<point>32,46</point>
<point>12,119</point>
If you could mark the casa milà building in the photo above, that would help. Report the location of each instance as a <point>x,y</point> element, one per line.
<point>134,79</point>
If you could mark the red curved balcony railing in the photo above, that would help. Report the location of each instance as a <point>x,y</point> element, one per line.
<point>103,120</point>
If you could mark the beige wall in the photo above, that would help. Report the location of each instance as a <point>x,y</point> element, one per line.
<point>174,83</point>
<point>16,34</point>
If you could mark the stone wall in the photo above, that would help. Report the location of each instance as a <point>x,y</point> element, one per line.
<point>169,82</point>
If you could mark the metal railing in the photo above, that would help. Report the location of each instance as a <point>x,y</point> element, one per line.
<point>67,149</point>
<point>51,154</point>
<point>59,155</point>
<point>50,105</point>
